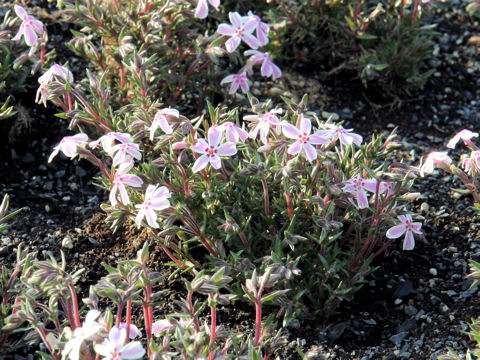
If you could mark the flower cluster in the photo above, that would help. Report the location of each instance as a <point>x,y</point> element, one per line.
<point>242,29</point>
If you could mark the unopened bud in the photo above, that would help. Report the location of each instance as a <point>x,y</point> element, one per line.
<point>179,145</point>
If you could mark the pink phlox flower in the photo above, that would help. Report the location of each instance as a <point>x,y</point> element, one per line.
<point>42,95</point>
<point>122,151</point>
<point>212,150</point>
<point>261,28</point>
<point>161,120</point>
<point>263,126</point>
<point>466,135</point>
<point>201,11</point>
<point>55,71</point>
<point>407,227</point>
<point>156,198</point>
<point>87,331</point>
<point>238,31</point>
<point>29,27</point>
<point>134,331</point>
<point>357,186</point>
<point>304,140</point>
<point>334,132</point>
<point>435,159</point>
<point>121,179</point>
<point>233,133</point>
<point>268,68</point>
<point>387,186</point>
<point>161,325</point>
<point>68,145</point>
<point>471,164</point>
<point>237,80</point>
<point>114,348</point>
<point>108,140</point>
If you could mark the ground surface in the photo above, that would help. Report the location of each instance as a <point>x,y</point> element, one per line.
<point>413,307</point>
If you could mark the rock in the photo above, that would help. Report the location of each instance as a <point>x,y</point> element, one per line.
<point>67,242</point>
<point>404,289</point>
<point>28,158</point>
<point>398,338</point>
<point>334,332</point>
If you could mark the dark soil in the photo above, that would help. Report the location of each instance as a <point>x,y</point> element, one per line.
<point>416,303</point>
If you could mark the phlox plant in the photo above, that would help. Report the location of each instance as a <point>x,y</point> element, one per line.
<point>467,169</point>
<point>383,43</point>
<point>166,50</point>
<point>45,298</point>
<point>278,188</point>
<point>23,41</point>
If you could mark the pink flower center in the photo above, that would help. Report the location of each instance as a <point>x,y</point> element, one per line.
<point>304,138</point>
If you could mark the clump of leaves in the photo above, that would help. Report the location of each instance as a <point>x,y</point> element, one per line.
<point>386,43</point>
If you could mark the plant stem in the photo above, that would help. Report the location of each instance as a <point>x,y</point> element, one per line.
<point>213,327</point>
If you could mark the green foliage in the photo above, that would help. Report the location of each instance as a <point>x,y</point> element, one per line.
<point>384,44</point>
<point>158,46</point>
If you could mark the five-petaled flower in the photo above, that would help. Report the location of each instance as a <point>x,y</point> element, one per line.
<point>201,11</point>
<point>55,70</point>
<point>357,186</point>
<point>68,145</point>
<point>304,140</point>
<point>29,27</point>
<point>471,164</point>
<point>261,28</point>
<point>114,348</point>
<point>241,29</point>
<point>233,132</point>
<point>334,132</point>
<point>123,151</point>
<point>237,80</point>
<point>212,150</point>
<point>108,140</point>
<point>121,179</point>
<point>268,68</point>
<point>407,227</point>
<point>156,198</point>
<point>87,331</point>
<point>161,120</point>
<point>466,135</point>
<point>263,125</point>
<point>435,158</point>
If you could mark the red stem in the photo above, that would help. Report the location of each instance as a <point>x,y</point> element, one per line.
<point>258,322</point>
<point>121,306</point>
<point>129,318</point>
<point>45,341</point>
<point>75,306</point>
<point>213,326</point>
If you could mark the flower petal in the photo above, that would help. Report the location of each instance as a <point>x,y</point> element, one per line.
<point>227,149</point>
<point>215,161</point>
<point>201,11</point>
<point>396,231</point>
<point>200,164</point>
<point>21,12</point>
<point>310,152</point>
<point>133,350</point>
<point>409,241</point>
<point>290,131</point>
<point>214,136</point>
<point>295,148</point>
